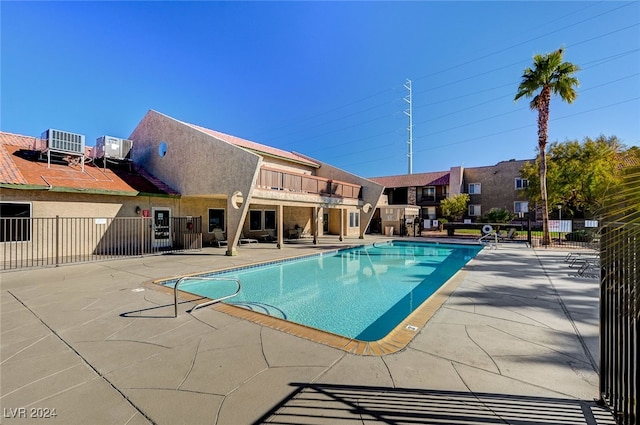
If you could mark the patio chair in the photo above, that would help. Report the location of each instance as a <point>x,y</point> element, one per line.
<point>509,236</point>
<point>579,260</point>
<point>589,268</point>
<point>268,236</point>
<point>574,256</point>
<point>219,238</point>
<point>247,240</point>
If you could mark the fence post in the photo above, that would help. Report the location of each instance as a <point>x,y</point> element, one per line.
<point>57,239</point>
<point>529,230</point>
<point>141,234</point>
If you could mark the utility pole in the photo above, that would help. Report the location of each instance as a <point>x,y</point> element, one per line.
<point>408,112</point>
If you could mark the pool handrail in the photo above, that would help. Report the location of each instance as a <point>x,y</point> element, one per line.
<point>487,238</point>
<point>206,303</point>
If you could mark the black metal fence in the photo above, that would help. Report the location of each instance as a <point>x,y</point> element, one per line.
<point>619,314</point>
<point>53,241</point>
<point>579,233</point>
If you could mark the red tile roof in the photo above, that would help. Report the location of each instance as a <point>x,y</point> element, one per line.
<point>21,166</point>
<point>257,147</point>
<point>438,178</point>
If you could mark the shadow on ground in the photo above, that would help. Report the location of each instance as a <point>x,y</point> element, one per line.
<point>325,403</point>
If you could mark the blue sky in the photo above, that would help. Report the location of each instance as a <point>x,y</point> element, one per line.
<point>325,79</point>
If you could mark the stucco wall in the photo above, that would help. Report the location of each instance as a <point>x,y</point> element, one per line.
<point>456,181</point>
<point>287,166</point>
<point>195,163</point>
<point>50,204</point>
<point>497,185</point>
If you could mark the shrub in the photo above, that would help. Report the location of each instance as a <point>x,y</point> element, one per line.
<point>580,236</point>
<point>498,215</point>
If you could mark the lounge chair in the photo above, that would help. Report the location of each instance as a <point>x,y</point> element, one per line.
<point>509,236</point>
<point>219,238</point>
<point>573,256</point>
<point>579,260</point>
<point>247,240</point>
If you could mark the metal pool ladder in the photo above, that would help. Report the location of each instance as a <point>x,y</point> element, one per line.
<point>206,303</point>
<point>488,240</point>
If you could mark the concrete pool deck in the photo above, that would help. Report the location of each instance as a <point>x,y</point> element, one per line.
<point>517,342</point>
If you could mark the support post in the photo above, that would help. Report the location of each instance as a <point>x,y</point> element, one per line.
<point>280,232</point>
<point>315,225</point>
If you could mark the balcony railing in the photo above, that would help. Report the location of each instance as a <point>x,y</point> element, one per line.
<point>432,198</point>
<point>273,179</point>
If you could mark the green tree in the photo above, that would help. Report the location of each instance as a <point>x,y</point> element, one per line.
<point>549,75</point>
<point>579,174</point>
<point>455,206</point>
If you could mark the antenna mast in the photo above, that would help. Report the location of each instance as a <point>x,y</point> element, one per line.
<point>408,112</point>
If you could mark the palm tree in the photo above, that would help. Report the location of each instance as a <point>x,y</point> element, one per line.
<point>549,76</point>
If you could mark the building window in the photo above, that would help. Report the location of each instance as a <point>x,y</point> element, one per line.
<point>429,212</point>
<point>474,211</point>
<point>429,193</point>
<point>521,183</point>
<point>474,188</point>
<point>262,220</point>
<point>354,219</point>
<point>15,222</point>
<point>521,207</point>
<point>216,219</point>
<point>269,220</point>
<point>255,220</point>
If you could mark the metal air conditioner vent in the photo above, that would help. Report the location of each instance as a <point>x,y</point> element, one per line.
<point>113,148</point>
<point>63,141</point>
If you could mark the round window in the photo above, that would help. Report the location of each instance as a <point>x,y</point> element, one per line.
<point>162,149</point>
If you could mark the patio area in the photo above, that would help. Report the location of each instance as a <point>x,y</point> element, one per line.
<point>516,343</point>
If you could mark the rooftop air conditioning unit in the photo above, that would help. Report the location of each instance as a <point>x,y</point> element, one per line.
<point>113,148</point>
<point>63,141</point>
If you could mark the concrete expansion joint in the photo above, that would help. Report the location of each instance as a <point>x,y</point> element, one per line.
<point>82,359</point>
<point>466,330</point>
<point>233,390</point>
<point>528,341</point>
<point>193,362</point>
<point>25,348</point>
<point>487,406</point>
<point>264,355</point>
<point>393,382</point>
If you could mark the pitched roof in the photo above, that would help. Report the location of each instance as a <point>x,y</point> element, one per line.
<point>21,167</point>
<point>257,147</point>
<point>437,178</point>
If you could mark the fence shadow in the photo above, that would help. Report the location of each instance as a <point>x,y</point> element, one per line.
<point>138,314</point>
<point>328,403</point>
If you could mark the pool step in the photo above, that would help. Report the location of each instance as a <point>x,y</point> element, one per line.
<point>261,308</point>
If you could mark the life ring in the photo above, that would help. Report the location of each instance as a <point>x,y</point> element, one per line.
<point>486,229</point>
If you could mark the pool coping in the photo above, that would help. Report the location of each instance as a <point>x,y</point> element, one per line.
<point>396,340</point>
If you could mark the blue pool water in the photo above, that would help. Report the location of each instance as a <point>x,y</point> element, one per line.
<point>360,293</point>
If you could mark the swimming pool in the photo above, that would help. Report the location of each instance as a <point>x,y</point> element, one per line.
<point>361,293</point>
